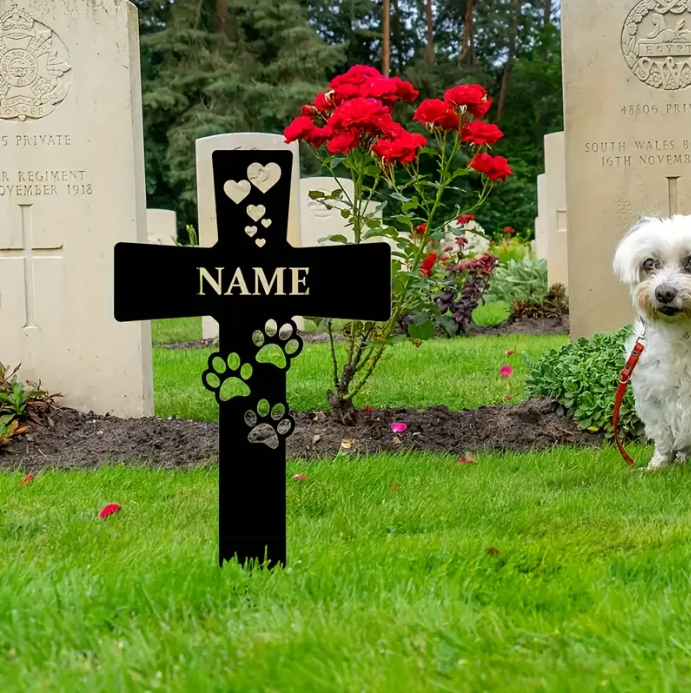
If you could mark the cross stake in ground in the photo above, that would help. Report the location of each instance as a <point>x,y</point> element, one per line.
<point>252,282</point>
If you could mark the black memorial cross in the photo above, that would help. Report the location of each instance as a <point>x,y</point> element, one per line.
<point>252,282</point>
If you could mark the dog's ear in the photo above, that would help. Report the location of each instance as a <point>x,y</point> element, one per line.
<point>626,265</point>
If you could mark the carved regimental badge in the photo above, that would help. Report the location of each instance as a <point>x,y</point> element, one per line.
<point>35,75</point>
<point>657,43</point>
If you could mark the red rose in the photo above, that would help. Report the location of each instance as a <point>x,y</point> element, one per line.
<point>405,91</point>
<point>403,149</point>
<point>437,113</point>
<point>322,103</point>
<point>420,230</point>
<point>358,74</point>
<point>357,112</point>
<point>465,219</point>
<point>427,265</point>
<point>480,133</point>
<point>387,127</point>
<point>299,129</point>
<point>509,229</point>
<point>471,96</point>
<point>494,167</point>
<point>344,141</point>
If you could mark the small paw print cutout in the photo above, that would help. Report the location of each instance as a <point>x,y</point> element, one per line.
<point>269,425</point>
<point>226,377</point>
<point>277,346</point>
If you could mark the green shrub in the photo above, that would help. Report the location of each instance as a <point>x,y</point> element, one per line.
<point>19,404</point>
<point>510,249</point>
<point>583,378</point>
<point>519,280</point>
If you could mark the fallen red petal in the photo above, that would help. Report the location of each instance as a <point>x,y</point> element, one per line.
<point>27,480</point>
<point>399,427</point>
<point>110,509</point>
<point>301,477</point>
<point>466,460</point>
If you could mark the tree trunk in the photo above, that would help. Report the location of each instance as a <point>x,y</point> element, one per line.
<point>468,40</point>
<point>513,40</point>
<point>221,18</point>
<point>548,13</point>
<point>386,38</point>
<point>429,18</point>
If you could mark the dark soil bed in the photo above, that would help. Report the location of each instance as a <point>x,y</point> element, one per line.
<point>85,441</point>
<point>529,326</point>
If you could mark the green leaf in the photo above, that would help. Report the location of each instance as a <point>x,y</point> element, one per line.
<point>424,331</point>
<point>338,238</point>
<point>316,195</point>
<point>399,197</point>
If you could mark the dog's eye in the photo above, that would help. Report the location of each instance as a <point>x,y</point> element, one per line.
<point>649,265</point>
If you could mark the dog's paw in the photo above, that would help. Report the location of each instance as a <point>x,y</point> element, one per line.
<point>660,461</point>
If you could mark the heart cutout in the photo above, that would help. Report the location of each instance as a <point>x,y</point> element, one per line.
<point>237,192</point>
<point>261,242</point>
<point>264,177</point>
<point>255,213</point>
<point>250,230</point>
<point>266,223</point>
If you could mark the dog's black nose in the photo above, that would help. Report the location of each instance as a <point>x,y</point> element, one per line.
<point>665,293</point>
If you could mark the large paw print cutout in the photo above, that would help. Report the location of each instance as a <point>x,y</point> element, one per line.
<point>277,346</point>
<point>269,424</point>
<point>226,377</point>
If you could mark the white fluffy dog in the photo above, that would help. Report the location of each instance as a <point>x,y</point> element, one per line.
<point>654,259</point>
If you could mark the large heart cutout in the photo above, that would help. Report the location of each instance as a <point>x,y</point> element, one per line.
<point>237,192</point>
<point>255,213</point>
<point>250,230</point>
<point>264,177</point>
<point>261,242</point>
<point>266,223</point>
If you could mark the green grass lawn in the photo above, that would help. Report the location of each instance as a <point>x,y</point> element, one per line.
<point>461,373</point>
<point>560,571</point>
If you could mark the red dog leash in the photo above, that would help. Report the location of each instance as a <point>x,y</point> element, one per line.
<point>621,391</point>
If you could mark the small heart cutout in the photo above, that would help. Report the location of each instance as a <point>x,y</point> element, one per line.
<point>250,230</point>
<point>255,213</point>
<point>261,242</point>
<point>266,223</point>
<point>264,177</point>
<point>237,192</point>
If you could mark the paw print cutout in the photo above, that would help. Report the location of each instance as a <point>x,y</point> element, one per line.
<point>277,346</point>
<point>226,377</point>
<point>269,424</point>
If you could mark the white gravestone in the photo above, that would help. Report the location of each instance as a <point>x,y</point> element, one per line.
<point>318,222</point>
<point>161,226</point>
<point>540,247</point>
<point>627,105</point>
<point>206,199</point>
<point>71,187</point>
<point>557,246</point>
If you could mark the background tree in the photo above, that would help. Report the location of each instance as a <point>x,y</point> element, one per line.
<point>213,66</point>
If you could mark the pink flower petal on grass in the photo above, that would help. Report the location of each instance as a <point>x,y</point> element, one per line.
<point>27,480</point>
<point>300,477</point>
<point>399,427</point>
<point>110,509</point>
<point>510,352</point>
<point>506,371</point>
<point>466,460</point>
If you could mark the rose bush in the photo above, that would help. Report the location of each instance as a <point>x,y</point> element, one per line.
<point>351,124</point>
